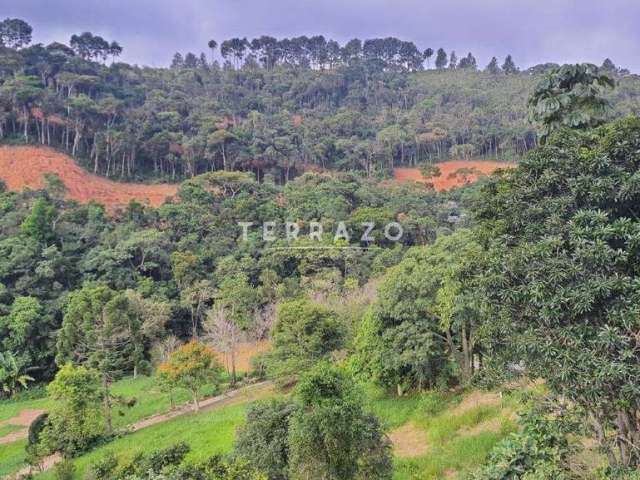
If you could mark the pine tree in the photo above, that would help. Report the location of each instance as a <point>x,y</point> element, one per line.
<point>509,66</point>
<point>493,67</point>
<point>453,60</point>
<point>441,59</point>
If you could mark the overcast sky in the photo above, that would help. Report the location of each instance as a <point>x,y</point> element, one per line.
<point>533,31</point>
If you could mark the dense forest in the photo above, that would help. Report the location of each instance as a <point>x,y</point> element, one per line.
<point>521,288</point>
<point>274,107</point>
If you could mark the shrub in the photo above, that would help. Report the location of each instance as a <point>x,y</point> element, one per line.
<point>64,470</point>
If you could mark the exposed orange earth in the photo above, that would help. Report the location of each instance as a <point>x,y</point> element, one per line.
<point>452,174</point>
<point>245,352</point>
<point>24,166</point>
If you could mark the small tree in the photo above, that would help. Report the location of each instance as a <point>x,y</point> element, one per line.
<point>224,334</point>
<point>331,436</point>
<point>191,367</point>
<point>75,421</point>
<point>264,440</point>
<point>304,334</point>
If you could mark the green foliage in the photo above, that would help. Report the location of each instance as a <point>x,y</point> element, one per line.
<point>540,450</point>
<point>169,464</point>
<point>75,421</point>
<point>425,314</point>
<point>304,334</point>
<point>64,470</point>
<point>263,441</point>
<point>330,435</point>
<point>192,366</point>
<point>39,224</point>
<point>570,96</point>
<point>561,273</point>
<point>11,376</point>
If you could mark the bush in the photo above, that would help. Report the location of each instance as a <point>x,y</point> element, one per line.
<point>64,470</point>
<point>538,452</point>
<point>36,428</point>
<point>263,441</point>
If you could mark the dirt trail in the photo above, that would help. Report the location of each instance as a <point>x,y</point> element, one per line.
<point>24,166</point>
<point>455,173</point>
<point>244,394</point>
<point>23,419</point>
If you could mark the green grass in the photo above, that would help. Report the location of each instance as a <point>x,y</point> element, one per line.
<point>149,398</point>
<point>11,457</point>
<point>11,408</point>
<point>454,448</point>
<point>7,429</point>
<point>208,433</point>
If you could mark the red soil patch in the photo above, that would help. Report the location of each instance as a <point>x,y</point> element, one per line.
<point>22,167</point>
<point>455,173</point>
<point>245,353</point>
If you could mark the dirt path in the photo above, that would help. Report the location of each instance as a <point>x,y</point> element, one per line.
<point>23,419</point>
<point>244,394</point>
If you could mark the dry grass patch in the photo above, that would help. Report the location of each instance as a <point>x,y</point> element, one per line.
<point>409,441</point>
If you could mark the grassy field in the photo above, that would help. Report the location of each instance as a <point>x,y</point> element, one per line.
<point>459,430</point>
<point>149,398</point>
<point>207,433</point>
<point>454,431</point>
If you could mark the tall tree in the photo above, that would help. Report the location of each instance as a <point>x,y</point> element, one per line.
<point>441,59</point>
<point>96,332</point>
<point>509,66</point>
<point>212,44</point>
<point>428,53</point>
<point>15,33</point>
<point>453,60</point>
<point>493,67</point>
<point>562,272</point>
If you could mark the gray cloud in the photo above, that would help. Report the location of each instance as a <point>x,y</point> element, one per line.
<point>533,31</point>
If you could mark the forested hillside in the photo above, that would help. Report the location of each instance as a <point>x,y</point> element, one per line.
<point>273,107</point>
<point>398,330</point>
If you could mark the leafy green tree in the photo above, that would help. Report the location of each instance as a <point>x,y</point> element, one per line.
<point>11,376</point>
<point>24,331</point>
<point>570,96</point>
<point>426,312</point>
<point>75,421</point>
<point>192,366</point>
<point>561,275</point>
<point>331,435</point>
<point>304,334</point>
<point>96,332</point>
<point>39,224</point>
<point>264,440</point>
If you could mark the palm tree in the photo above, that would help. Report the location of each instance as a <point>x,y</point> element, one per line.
<point>11,378</point>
